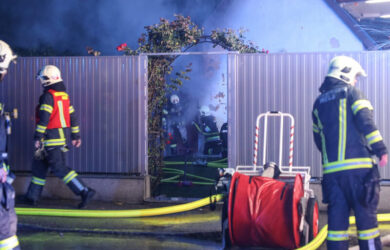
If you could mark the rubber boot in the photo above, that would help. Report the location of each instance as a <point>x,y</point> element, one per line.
<point>79,188</point>
<point>33,193</point>
<point>86,196</point>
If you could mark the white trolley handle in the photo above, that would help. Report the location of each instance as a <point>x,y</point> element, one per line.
<point>291,143</point>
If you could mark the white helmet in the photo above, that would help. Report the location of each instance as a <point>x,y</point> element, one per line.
<point>6,56</point>
<point>204,110</point>
<point>345,69</point>
<point>49,75</point>
<point>174,99</point>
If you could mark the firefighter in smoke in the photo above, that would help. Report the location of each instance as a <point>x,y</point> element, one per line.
<point>55,117</point>
<point>8,219</point>
<point>345,133</point>
<point>224,139</point>
<point>174,125</point>
<point>208,128</point>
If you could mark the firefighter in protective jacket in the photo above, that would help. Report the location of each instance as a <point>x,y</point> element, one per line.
<point>8,219</point>
<point>55,117</point>
<point>345,133</point>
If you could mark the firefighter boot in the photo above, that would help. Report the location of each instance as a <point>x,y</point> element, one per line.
<point>33,193</point>
<point>86,196</point>
<point>79,188</point>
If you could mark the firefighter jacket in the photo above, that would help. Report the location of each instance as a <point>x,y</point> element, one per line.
<point>208,128</point>
<point>54,116</point>
<point>344,129</point>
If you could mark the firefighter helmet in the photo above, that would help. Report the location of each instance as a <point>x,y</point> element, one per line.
<point>49,75</point>
<point>6,56</point>
<point>345,69</point>
<point>204,111</point>
<point>174,99</point>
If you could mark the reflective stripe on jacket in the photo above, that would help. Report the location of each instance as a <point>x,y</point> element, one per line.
<point>59,117</point>
<point>344,129</point>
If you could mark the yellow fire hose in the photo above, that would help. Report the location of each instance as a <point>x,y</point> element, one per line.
<point>119,213</point>
<point>314,244</point>
<point>321,236</point>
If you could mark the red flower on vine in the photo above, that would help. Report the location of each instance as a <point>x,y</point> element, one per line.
<point>121,47</point>
<point>264,51</point>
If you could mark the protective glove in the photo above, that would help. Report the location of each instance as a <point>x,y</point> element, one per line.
<point>76,143</point>
<point>40,152</point>
<point>383,161</point>
<point>3,175</point>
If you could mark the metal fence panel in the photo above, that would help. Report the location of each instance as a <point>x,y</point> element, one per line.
<point>289,83</point>
<point>109,95</point>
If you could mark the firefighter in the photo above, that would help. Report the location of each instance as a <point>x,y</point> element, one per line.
<point>208,127</point>
<point>347,137</point>
<point>176,131</point>
<point>55,117</point>
<point>224,139</point>
<point>8,219</point>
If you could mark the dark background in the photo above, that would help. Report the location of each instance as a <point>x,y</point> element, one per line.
<point>67,27</point>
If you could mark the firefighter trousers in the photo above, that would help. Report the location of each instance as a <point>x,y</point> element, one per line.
<point>55,162</point>
<point>8,219</point>
<point>356,190</point>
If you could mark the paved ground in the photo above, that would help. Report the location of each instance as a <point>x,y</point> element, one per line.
<point>196,229</point>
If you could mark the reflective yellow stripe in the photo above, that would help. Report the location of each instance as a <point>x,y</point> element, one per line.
<point>337,235</point>
<point>368,234</point>
<point>315,128</point>
<point>54,142</point>
<point>354,163</point>
<point>374,137</point>
<point>213,138</point>
<point>62,117</point>
<point>40,129</point>
<point>71,109</point>
<point>47,108</point>
<point>75,129</point>
<point>64,95</point>
<point>342,128</point>
<point>361,104</point>
<point>323,145</point>
<point>6,167</point>
<point>9,243</point>
<point>61,132</point>
<point>38,181</point>
<point>70,176</point>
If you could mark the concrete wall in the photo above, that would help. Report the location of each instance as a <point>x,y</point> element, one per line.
<point>113,189</point>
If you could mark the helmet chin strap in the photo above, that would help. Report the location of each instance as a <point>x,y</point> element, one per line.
<point>45,84</point>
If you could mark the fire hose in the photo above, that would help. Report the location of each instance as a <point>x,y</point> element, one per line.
<point>321,236</point>
<point>314,244</point>
<point>119,213</point>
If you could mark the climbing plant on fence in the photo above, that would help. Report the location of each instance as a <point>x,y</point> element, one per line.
<point>167,36</point>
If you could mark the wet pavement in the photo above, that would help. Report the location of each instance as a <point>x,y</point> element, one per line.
<point>196,229</point>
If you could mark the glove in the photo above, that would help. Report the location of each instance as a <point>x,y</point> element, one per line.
<point>37,144</point>
<point>76,143</point>
<point>383,160</point>
<point>40,152</point>
<point>3,175</point>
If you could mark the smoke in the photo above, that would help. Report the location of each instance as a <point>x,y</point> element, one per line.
<point>207,86</point>
<point>72,25</point>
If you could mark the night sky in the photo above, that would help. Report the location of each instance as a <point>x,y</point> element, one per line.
<point>67,27</point>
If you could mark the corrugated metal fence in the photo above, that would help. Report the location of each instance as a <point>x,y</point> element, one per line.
<point>110,96</point>
<point>289,83</point>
